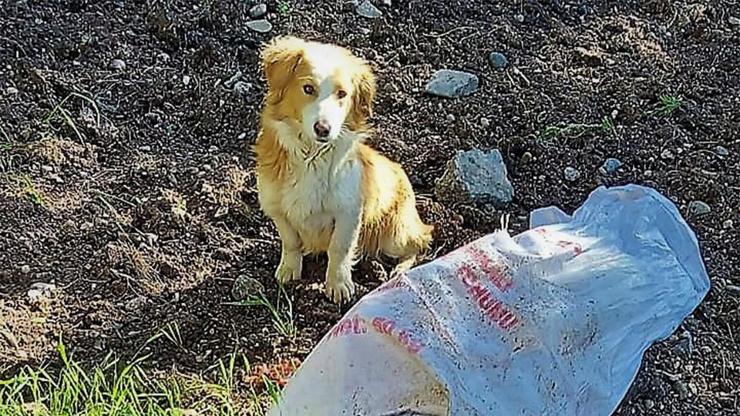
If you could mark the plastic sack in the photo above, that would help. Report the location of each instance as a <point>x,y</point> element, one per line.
<point>553,321</point>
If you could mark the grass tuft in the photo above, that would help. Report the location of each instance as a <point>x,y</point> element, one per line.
<point>113,388</point>
<point>669,104</point>
<point>282,316</point>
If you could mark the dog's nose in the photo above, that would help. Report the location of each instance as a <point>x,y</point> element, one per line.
<point>321,128</point>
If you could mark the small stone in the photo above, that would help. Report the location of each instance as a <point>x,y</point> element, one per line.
<point>698,208</point>
<point>519,18</point>
<point>485,123</point>
<point>241,136</point>
<point>258,11</point>
<point>186,80</point>
<point>451,84</point>
<point>11,90</point>
<point>223,254</point>
<point>145,148</point>
<point>733,289</point>
<point>610,166</point>
<point>136,303</point>
<point>207,168</point>
<point>571,174</point>
<point>242,88</point>
<point>25,269</point>
<point>246,287</point>
<point>151,238</point>
<point>649,404</point>
<point>212,149</point>
<point>728,224</point>
<point>526,158</point>
<point>40,291</point>
<point>734,21</point>
<point>475,176</point>
<point>451,118</point>
<point>681,389</point>
<point>260,26</point>
<point>498,60</point>
<point>721,151</point>
<point>685,344</point>
<point>368,10</point>
<point>666,154</point>
<point>117,65</point>
<point>47,168</point>
<point>648,173</point>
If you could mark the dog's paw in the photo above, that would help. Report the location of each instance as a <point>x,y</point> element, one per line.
<point>290,268</point>
<point>340,288</point>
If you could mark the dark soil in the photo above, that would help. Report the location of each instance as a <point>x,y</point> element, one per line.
<point>138,201</point>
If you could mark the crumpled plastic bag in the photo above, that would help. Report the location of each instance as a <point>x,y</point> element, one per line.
<point>553,321</point>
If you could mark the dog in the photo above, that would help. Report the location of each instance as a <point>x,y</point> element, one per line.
<point>322,186</point>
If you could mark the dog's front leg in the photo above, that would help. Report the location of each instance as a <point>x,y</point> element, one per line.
<point>342,248</point>
<point>291,257</point>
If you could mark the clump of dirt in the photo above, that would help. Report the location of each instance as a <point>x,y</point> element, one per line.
<point>126,179</point>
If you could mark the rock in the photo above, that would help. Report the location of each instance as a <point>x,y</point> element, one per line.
<point>485,123</point>
<point>117,65</point>
<point>242,88</point>
<point>258,10</point>
<point>246,287</point>
<point>11,90</point>
<point>519,18</point>
<point>498,60</point>
<point>47,168</point>
<point>666,154</point>
<point>526,158</point>
<point>40,291</point>
<point>260,26</point>
<point>681,389</point>
<point>450,118</point>
<point>571,174</point>
<point>145,148</point>
<point>186,80</point>
<point>733,289</point>
<point>610,166</point>
<point>728,224</point>
<point>698,208</point>
<point>367,9</point>
<point>649,404</point>
<point>685,344</point>
<point>450,83</point>
<point>475,176</point>
<point>136,304</point>
<point>721,151</point>
<point>734,21</point>
<point>25,269</point>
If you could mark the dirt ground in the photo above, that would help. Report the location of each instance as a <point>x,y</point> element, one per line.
<point>126,179</point>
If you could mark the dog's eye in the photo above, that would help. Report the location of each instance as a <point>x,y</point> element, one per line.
<point>309,89</point>
<point>341,94</point>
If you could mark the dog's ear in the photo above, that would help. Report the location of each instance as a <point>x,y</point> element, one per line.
<point>363,96</point>
<point>280,59</point>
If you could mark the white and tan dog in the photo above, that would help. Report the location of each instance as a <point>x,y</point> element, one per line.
<point>325,190</point>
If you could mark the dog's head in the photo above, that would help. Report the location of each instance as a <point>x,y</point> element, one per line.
<point>322,88</point>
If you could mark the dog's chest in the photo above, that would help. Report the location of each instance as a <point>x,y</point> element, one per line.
<point>315,197</point>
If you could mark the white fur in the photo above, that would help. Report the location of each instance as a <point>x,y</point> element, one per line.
<point>327,106</point>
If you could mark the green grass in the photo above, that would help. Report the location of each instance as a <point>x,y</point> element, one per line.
<point>113,388</point>
<point>575,130</point>
<point>284,7</point>
<point>669,104</point>
<point>28,189</point>
<point>282,316</point>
